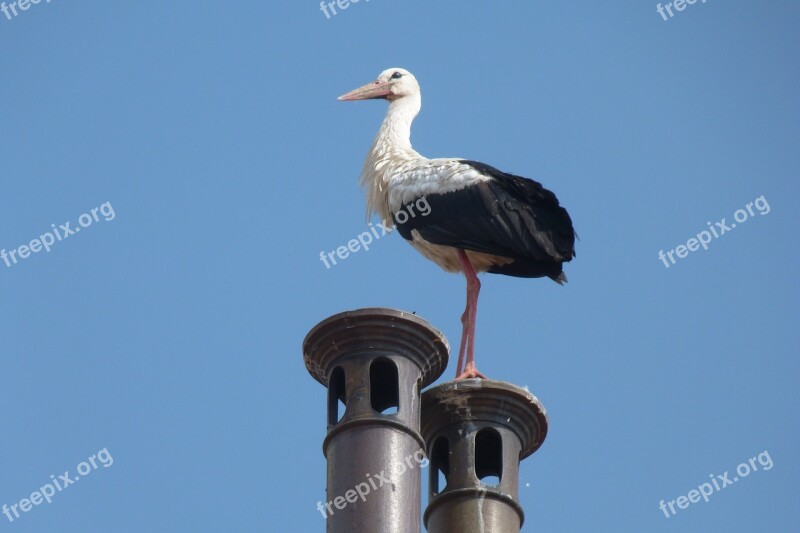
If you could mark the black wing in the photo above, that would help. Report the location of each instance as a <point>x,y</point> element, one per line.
<point>509,216</point>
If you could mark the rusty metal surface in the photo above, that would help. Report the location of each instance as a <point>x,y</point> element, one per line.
<point>366,451</point>
<point>457,411</point>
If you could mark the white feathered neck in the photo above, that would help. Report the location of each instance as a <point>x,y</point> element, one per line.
<point>390,149</point>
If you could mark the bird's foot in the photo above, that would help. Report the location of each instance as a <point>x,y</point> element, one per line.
<point>470,372</point>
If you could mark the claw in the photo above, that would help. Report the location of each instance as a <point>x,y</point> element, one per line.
<point>470,372</point>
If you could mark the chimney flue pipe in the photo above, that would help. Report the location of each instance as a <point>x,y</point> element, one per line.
<point>374,363</point>
<point>477,432</point>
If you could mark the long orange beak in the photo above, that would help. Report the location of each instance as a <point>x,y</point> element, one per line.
<point>376,89</point>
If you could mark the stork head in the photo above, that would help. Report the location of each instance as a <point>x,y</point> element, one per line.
<point>392,84</point>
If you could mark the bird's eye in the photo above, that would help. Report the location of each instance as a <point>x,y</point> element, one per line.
<point>396,76</point>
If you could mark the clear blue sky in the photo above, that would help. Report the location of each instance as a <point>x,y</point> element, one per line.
<point>171,335</point>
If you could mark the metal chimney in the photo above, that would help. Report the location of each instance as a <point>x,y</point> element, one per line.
<point>477,432</point>
<point>375,362</point>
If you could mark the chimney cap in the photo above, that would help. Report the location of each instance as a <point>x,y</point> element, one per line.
<point>375,330</point>
<point>497,402</point>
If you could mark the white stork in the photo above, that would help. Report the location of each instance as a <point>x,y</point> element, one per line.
<point>480,219</point>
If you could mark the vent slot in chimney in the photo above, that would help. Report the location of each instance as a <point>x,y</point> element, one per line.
<point>384,387</point>
<point>337,396</point>
<point>489,456</point>
<point>440,465</point>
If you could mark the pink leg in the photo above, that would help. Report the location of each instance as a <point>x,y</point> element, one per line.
<point>468,319</point>
<point>464,337</point>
